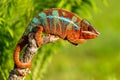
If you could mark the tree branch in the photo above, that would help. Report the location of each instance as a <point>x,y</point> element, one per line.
<point>30,51</point>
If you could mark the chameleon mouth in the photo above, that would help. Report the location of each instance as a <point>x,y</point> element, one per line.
<point>90,35</point>
<point>96,32</point>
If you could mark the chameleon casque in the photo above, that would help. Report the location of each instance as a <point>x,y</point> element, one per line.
<point>58,22</point>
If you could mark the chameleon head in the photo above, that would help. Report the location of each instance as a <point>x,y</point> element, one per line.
<point>87,30</point>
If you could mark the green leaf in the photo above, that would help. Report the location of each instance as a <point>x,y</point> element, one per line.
<point>2,20</point>
<point>10,31</point>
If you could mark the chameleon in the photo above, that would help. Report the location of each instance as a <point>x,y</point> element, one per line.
<point>59,22</point>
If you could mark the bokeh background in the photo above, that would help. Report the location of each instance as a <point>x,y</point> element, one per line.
<point>97,59</point>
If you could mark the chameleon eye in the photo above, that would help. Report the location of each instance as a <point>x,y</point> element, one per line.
<point>90,28</point>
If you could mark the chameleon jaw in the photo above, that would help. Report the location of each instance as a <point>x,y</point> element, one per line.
<point>89,35</point>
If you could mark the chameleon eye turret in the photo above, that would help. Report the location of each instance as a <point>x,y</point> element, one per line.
<point>88,31</point>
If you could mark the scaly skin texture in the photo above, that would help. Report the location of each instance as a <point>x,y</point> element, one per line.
<point>58,22</point>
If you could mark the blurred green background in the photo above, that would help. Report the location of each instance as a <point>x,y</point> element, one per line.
<point>97,59</point>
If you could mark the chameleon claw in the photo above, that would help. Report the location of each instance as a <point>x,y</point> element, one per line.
<point>22,72</point>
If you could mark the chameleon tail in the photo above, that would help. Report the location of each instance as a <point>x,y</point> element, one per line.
<point>17,51</point>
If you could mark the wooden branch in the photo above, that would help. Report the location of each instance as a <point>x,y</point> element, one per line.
<point>30,51</point>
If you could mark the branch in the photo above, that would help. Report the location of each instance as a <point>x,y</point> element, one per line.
<point>30,51</point>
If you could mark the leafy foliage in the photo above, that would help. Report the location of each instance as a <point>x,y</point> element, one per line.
<point>15,15</point>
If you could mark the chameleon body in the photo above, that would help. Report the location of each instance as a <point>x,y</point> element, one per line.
<point>58,22</point>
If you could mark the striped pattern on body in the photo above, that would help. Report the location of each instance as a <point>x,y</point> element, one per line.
<point>55,21</point>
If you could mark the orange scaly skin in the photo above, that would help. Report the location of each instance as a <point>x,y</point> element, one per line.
<point>58,22</point>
